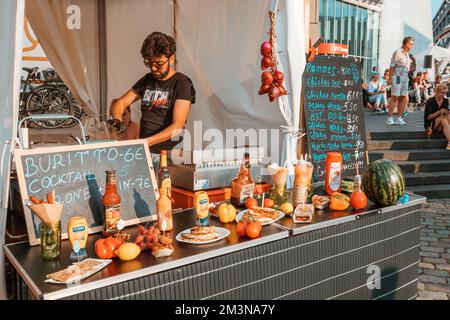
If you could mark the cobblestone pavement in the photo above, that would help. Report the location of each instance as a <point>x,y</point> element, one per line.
<point>434,268</point>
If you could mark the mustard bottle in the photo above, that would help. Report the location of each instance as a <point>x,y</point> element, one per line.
<point>78,233</point>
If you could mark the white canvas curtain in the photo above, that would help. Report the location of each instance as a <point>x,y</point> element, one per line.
<point>128,23</point>
<point>219,44</point>
<point>73,53</point>
<point>217,47</point>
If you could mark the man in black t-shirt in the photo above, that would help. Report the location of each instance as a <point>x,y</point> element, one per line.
<point>166,95</point>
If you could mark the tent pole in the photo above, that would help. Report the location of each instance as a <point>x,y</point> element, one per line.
<point>302,146</point>
<point>102,59</point>
<point>175,5</point>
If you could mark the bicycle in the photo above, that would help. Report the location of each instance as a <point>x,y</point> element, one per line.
<point>51,77</point>
<point>45,97</point>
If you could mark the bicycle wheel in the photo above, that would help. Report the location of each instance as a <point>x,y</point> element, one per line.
<point>48,99</point>
<point>78,110</point>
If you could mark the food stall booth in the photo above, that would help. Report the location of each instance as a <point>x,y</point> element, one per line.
<point>339,253</point>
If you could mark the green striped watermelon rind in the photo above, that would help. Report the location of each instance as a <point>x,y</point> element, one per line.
<point>384,182</point>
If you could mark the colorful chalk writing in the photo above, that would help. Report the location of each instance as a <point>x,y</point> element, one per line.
<point>78,177</point>
<point>334,112</point>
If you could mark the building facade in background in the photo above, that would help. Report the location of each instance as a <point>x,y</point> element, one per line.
<point>440,22</point>
<point>373,29</point>
<point>355,23</point>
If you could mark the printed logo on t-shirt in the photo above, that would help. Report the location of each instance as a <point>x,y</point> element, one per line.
<point>155,99</point>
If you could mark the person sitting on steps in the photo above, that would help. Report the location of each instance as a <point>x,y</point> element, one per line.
<point>377,93</point>
<point>416,89</point>
<point>437,114</point>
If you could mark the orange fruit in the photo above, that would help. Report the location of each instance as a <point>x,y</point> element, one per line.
<point>339,201</point>
<point>253,229</point>
<point>268,203</point>
<point>358,200</point>
<point>250,203</point>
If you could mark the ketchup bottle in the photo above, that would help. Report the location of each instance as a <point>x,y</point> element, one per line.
<point>333,172</point>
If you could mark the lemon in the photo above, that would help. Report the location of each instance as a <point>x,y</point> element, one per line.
<point>128,251</point>
<point>287,208</point>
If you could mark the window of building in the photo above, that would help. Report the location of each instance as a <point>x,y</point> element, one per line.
<point>358,27</point>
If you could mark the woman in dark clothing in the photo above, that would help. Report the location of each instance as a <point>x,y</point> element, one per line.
<point>437,113</point>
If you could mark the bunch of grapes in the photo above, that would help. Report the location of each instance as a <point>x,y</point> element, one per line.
<point>147,237</point>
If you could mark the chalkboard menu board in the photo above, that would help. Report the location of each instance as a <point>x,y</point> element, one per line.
<point>334,113</point>
<point>77,174</point>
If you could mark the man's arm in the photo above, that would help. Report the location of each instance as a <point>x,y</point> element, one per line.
<point>119,105</point>
<point>180,114</point>
<point>392,67</point>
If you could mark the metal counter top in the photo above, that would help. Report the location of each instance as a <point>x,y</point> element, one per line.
<point>33,269</point>
<point>326,218</point>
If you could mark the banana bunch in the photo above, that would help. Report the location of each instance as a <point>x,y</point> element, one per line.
<point>347,185</point>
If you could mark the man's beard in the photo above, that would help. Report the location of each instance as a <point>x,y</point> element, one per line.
<point>162,75</point>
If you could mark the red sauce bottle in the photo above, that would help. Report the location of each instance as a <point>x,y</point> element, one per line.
<point>333,172</point>
<point>111,202</point>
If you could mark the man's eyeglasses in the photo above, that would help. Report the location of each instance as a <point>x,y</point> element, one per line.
<point>157,64</point>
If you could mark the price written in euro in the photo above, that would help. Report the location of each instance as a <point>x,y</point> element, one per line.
<point>334,112</point>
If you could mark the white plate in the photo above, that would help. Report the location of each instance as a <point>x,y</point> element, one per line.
<point>221,234</point>
<point>280,215</point>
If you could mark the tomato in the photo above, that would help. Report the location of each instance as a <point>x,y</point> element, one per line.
<point>240,228</point>
<point>113,244</point>
<point>102,250</point>
<point>253,229</point>
<point>268,203</point>
<point>358,200</point>
<point>250,203</point>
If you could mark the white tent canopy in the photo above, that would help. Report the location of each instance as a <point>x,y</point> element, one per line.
<point>217,47</point>
<point>94,45</point>
<point>442,55</point>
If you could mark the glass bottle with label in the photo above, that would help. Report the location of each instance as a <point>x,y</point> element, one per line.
<point>333,172</point>
<point>164,207</point>
<point>111,203</point>
<point>163,173</point>
<point>243,186</point>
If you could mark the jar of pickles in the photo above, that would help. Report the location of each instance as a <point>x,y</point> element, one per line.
<point>51,241</point>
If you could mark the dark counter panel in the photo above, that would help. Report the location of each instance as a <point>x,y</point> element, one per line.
<point>328,263</point>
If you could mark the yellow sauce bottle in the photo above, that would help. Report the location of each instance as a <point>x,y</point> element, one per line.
<point>77,231</point>
<point>201,207</point>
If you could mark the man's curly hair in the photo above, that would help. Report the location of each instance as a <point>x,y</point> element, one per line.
<point>157,44</point>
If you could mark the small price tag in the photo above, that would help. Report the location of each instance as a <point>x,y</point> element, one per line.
<point>120,224</point>
<point>164,225</point>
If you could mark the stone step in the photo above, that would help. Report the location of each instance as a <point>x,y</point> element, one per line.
<point>424,166</point>
<point>410,154</point>
<point>403,144</point>
<point>427,178</point>
<point>400,135</point>
<point>431,192</point>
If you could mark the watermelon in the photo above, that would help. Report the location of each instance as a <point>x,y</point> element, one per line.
<point>384,182</point>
